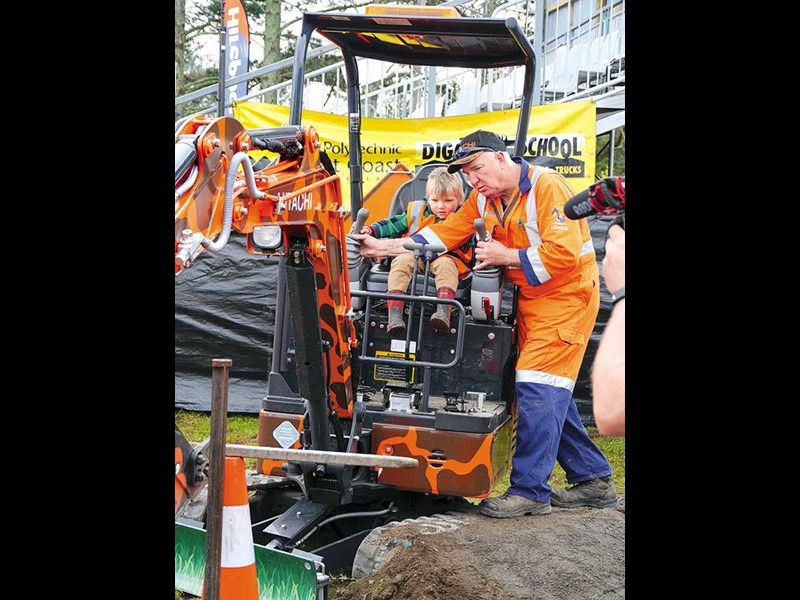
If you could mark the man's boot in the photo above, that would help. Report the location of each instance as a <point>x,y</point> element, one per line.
<point>511,505</point>
<point>396,327</point>
<point>598,492</point>
<point>440,320</point>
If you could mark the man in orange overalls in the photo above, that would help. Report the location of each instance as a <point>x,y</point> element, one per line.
<point>551,260</point>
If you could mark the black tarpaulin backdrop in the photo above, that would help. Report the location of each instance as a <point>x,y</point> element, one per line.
<point>225,308</point>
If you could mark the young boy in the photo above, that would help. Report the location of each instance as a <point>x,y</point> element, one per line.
<point>444,193</point>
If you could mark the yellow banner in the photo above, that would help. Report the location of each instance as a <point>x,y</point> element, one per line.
<point>561,136</point>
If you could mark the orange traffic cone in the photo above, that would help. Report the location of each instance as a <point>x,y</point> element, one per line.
<point>237,575</point>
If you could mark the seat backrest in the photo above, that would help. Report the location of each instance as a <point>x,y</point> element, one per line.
<point>414,189</point>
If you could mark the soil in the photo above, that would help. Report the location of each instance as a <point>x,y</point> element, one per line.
<point>570,554</point>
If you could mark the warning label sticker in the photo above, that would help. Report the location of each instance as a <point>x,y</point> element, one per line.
<point>394,372</point>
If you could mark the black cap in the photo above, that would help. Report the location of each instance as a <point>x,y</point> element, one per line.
<point>474,143</point>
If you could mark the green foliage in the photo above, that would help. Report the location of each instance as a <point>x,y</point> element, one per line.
<point>603,154</point>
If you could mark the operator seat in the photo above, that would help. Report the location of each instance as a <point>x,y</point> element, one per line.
<point>414,189</point>
<point>378,276</point>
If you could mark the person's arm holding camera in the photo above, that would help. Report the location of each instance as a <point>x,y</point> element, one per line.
<point>608,372</point>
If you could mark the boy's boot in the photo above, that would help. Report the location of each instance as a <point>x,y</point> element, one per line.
<point>440,320</point>
<point>396,326</point>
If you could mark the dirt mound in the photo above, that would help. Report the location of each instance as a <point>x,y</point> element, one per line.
<point>576,554</point>
<point>429,570</point>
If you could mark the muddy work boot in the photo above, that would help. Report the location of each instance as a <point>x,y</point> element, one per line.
<point>598,493</point>
<point>511,505</point>
<point>440,320</point>
<point>396,327</point>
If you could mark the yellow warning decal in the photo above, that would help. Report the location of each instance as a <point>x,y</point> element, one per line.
<point>393,372</point>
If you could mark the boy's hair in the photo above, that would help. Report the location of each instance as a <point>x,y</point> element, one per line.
<point>440,182</point>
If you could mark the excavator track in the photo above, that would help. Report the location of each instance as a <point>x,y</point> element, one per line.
<point>383,542</point>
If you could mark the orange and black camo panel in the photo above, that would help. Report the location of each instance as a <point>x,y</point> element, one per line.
<point>310,202</point>
<point>450,462</point>
<point>267,423</point>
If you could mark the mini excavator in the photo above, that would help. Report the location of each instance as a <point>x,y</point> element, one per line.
<point>339,384</point>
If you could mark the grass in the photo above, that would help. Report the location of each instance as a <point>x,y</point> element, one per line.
<point>241,429</point>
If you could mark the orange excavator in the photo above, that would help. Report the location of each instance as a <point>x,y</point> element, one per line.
<point>339,384</point>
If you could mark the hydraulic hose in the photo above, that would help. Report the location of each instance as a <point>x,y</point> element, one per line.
<point>227,214</point>
<point>187,185</point>
<point>365,513</point>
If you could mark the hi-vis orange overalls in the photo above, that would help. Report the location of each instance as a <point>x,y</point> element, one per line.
<point>557,305</point>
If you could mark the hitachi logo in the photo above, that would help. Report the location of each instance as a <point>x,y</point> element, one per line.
<point>301,202</point>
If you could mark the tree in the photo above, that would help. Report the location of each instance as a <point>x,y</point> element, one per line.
<point>274,24</point>
<point>180,45</point>
<point>603,154</point>
<point>194,21</point>
<point>199,21</point>
<point>272,44</point>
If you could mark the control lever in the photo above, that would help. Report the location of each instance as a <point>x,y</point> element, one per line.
<point>486,303</point>
<point>480,227</point>
<point>361,218</point>
<point>428,249</point>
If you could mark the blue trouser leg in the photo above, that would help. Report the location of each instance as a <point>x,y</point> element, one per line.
<point>578,455</point>
<point>548,427</point>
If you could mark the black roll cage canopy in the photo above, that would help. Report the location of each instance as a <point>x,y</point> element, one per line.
<point>413,40</point>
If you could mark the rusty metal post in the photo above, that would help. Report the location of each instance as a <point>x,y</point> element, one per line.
<point>216,479</point>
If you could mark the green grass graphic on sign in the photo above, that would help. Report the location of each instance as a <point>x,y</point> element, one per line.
<point>281,576</point>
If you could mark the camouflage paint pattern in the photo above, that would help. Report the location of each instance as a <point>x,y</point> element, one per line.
<point>450,462</point>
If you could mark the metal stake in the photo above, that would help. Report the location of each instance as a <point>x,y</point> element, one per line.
<point>216,480</point>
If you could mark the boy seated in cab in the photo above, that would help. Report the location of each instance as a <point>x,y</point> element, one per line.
<point>444,194</point>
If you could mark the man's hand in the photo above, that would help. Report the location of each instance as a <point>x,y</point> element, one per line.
<point>378,248</point>
<point>368,245</point>
<point>366,229</point>
<point>493,253</point>
<point>614,260</point>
